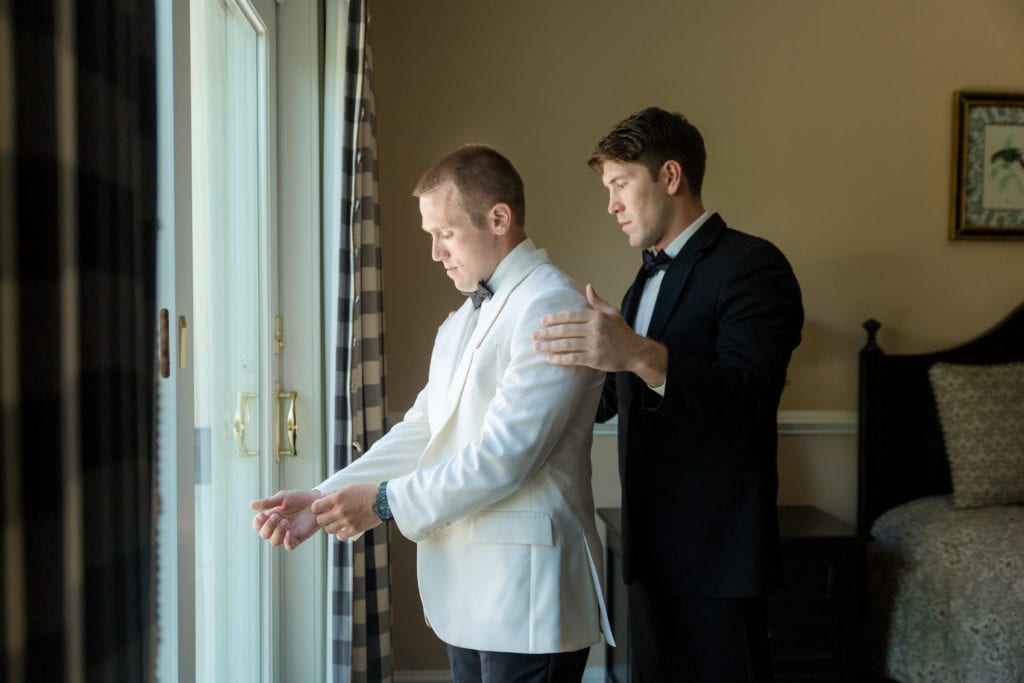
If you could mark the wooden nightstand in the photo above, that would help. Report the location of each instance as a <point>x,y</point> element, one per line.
<point>815,616</point>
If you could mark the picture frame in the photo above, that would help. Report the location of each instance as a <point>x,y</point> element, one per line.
<point>988,166</point>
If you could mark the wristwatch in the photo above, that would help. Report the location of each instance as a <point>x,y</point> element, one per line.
<point>380,506</point>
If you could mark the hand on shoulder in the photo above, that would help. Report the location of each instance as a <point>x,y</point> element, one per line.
<point>600,338</point>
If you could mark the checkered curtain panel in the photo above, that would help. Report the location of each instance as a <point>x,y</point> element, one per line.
<point>360,609</point>
<point>77,371</point>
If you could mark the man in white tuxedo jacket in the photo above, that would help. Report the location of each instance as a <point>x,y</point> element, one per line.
<point>489,471</point>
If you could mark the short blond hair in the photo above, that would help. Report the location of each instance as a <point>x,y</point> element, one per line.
<point>482,177</point>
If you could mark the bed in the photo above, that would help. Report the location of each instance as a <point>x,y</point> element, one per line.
<point>941,491</point>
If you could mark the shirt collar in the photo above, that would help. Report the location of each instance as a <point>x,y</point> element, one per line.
<point>679,242</point>
<point>506,264</point>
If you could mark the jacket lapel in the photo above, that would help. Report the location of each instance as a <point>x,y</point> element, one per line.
<point>454,339</point>
<point>524,264</point>
<point>679,272</point>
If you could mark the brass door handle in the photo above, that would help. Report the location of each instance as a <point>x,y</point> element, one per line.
<point>241,418</point>
<point>182,341</point>
<point>291,424</point>
<point>165,344</point>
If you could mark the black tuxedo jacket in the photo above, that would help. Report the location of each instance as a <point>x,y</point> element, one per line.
<point>698,466</point>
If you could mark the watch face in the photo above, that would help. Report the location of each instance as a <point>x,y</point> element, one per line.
<point>380,505</point>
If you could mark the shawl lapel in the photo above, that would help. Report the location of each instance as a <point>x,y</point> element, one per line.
<point>524,264</point>
<point>454,341</point>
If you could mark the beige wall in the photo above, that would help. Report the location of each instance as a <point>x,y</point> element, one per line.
<point>828,128</point>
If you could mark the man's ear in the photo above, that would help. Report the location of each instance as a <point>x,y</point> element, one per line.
<point>499,218</point>
<point>672,176</point>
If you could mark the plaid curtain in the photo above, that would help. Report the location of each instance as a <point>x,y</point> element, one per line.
<point>77,317</point>
<point>360,608</point>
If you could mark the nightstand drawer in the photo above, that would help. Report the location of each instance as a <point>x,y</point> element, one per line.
<point>804,623</point>
<point>806,646</point>
<point>808,577</point>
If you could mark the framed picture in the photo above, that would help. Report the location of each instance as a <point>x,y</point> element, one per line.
<point>988,169</point>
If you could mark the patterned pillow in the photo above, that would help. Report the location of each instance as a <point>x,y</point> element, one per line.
<point>981,409</point>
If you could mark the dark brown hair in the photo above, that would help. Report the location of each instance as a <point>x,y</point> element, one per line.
<point>651,137</point>
<point>482,177</point>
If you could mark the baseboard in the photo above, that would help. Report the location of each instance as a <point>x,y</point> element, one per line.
<point>593,674</point>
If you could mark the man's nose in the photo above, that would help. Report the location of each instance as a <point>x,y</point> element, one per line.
<point>614,205</point>
<point>436,252</point>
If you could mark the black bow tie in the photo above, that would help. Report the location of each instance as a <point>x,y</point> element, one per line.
<point>482,292</point>
<point>655,262</point>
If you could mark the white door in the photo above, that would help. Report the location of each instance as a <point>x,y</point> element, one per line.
<point>246,394</point>
<point>234,365</point>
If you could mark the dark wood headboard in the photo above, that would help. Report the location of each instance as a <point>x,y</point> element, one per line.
<point>900,451</point>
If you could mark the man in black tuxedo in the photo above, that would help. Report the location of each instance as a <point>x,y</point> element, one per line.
<point>697,362</point>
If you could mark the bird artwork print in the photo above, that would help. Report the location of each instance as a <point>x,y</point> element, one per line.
<point>1009,155</point>
<point>1004,171</point>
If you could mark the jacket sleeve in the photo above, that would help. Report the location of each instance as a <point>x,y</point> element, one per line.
<point>395,454</point>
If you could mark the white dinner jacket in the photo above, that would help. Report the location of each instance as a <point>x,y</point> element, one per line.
<point>489,473</point>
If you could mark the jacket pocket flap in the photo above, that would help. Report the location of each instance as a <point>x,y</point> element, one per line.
<point>528,528</point>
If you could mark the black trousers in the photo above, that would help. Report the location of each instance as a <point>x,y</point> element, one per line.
<point>476,666</point>
<point>695,640</point>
